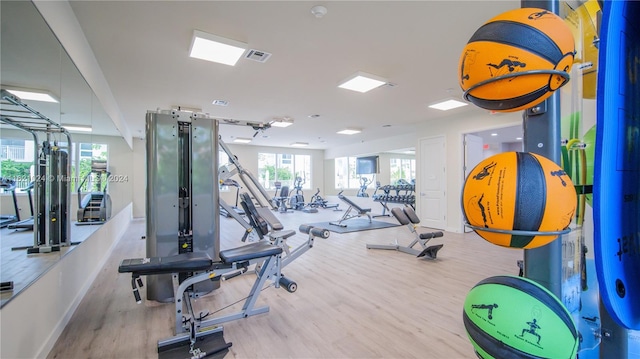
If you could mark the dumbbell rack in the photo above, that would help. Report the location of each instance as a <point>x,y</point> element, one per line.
<point>402,194</point>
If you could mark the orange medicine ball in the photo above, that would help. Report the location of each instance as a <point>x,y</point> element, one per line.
<point>519,191</point>
<point>516,44</point>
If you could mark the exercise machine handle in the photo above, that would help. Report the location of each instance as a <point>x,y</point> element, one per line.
<point>314,231</point>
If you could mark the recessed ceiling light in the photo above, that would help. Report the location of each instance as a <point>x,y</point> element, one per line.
<point>299,144</point>
<point>34,95</point>
<point>77,128</point>
<point>214,48</point>
<point>241,140</point>
<point>362,82</point>
<point>519,138</point>
<point>448,105</point>
<point>349,131</point>
<point>494,134</point>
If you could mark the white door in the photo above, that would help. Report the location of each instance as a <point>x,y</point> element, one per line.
<point>473,154</point>
<point>432,183</point>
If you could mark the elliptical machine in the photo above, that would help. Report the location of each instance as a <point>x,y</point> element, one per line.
<point>319,201</point>
<point>364,183</point>
<point>297,200</point>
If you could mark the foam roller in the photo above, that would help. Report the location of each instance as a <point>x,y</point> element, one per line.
<point>305,228</point>
<point>288,284</point>
<point>320,232</point>
<point>430,235</point>
<point>316,232</point>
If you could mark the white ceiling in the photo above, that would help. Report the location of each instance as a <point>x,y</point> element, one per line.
<point>142,48</point>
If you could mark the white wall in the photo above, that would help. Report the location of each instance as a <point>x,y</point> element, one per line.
<point>454,128</point>
<point>31,322</point>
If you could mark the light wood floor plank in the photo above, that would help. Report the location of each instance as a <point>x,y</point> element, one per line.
<point>351,302</point>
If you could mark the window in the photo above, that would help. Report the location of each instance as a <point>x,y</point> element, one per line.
<point>14,149</point>
<point>346,176</point>
<point>16,160</point>
<point>283,168</point>
<point>403,169</point>
<point>17,157</point>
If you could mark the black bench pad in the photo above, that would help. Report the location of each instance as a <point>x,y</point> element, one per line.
<point>184,262</point>
<point>250,251</point>
<point>196,261</point>
<point>354,205</point>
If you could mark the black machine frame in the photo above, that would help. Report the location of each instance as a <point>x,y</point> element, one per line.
<point>52,179</point>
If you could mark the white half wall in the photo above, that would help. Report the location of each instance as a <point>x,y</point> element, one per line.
<point>31,323</point>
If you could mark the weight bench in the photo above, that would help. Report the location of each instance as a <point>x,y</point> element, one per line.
<point>192,329</point>
<point>275,232</point>
<point>268,227</point>
<point>347,214</point>
<point>407,216</point>
<point>263,221</point>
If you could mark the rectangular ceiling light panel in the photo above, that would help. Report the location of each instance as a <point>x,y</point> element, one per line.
<point>215,48</point>
<point>241,140</point>
<point>362,82</point>
<point>77,128</point>
<point>33,95</point>
<point>281,123</point>
<point>349,131</point>
<point>448,105</point>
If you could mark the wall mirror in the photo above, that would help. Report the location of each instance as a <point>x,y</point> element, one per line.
<point>33,60</point>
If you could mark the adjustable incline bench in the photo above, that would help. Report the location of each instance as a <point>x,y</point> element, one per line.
<point>407,216</point>
<point>192,331</point>
<point>269,228</point>
<point>347,214</point>
<point>263,221</point>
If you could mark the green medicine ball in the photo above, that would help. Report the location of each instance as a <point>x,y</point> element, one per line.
<point>514,317</point>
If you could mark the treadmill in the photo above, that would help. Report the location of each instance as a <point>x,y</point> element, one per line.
<point>26,224</point>
<point>9,185</point>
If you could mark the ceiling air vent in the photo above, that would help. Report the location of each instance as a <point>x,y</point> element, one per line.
<point>220,102</point>
<point>257,55</point>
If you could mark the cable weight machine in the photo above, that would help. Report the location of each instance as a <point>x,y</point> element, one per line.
<point>51,226</point>
<point>182,192</point>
